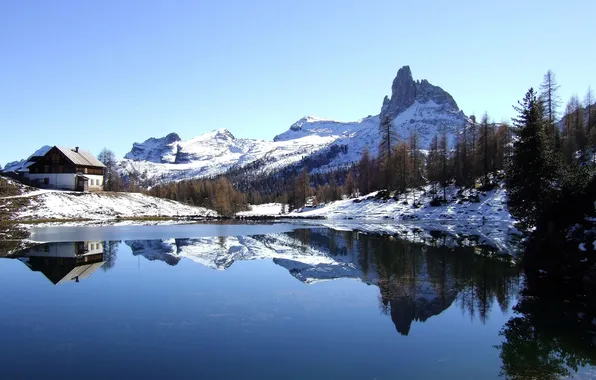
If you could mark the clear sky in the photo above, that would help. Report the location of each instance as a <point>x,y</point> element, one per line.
<point>109,73</point>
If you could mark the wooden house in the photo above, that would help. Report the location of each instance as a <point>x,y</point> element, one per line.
<point>67,169</point>
<point>65,262</point>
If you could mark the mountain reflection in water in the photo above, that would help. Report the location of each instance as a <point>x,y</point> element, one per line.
<point>415,281</point>
<point>549,336</point>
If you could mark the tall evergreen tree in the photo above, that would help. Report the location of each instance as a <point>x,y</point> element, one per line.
<point>485,148</point>
<point>532,171</point>
<point>386,146</point>
<point>551,102</point>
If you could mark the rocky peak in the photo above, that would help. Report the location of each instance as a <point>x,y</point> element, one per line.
<point>158,150</point>
<point>172,137</point>
<point>405,91</point>
<point>223,134</point>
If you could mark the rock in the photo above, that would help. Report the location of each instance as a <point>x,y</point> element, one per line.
<point>405,91</point>
<point>157,150</point>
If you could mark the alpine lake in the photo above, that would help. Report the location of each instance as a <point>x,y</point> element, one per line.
<point>277,301</point>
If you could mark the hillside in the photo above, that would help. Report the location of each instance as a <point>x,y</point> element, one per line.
<point>481,218</point>
<point>34,204</point>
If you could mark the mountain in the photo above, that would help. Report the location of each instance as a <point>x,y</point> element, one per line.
<point>415,282</point>
<point>22,164</point>
<point>413,106</point>
<point>213,153</point>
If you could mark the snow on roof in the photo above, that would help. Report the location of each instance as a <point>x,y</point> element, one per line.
<point>81,157</point>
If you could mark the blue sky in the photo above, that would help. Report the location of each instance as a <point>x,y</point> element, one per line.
<point>109,73</point>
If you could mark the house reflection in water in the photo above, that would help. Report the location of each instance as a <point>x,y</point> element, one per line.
<point>65,262</point>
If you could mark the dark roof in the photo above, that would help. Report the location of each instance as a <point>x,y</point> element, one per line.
<point>82,157</point>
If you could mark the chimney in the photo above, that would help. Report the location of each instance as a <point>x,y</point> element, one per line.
<point>76,149</point>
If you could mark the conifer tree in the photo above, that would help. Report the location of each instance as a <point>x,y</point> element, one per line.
<point>386,146</point>
<point>550,101</point>
<point>532,171</point>
<point>485,148</point>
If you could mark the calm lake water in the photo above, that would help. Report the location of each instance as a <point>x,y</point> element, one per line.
<point>268,302</point>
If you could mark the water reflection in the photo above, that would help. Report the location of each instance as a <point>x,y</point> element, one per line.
<point>415,281</point>
<point>552,336</point>
<point>65,262</point>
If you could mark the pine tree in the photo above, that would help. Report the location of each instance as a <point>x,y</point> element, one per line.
<point>386,146</point>
<point>485,148</point>
<point>550,102</point>
<point>532,171</point>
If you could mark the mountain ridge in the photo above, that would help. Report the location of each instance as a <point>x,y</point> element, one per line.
<point>414,106</point>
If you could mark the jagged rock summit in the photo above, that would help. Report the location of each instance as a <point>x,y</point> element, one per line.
<point>405,92</point>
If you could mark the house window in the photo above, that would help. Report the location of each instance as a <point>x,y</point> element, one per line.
<point>46,181</point>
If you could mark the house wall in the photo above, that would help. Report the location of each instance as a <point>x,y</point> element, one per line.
<point>65,181</point>
<point>65,249</point>
<point>95,182</point>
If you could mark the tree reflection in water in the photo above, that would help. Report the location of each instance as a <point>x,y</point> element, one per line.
<point>551,336</point>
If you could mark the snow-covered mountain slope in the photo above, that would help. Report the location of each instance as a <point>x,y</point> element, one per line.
<point>221,252</point>
<point>414,106</point>
<point>214,153</point>
<point>154,150</point>
<point>22,164</point>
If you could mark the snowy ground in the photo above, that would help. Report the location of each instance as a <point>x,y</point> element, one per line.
<point>469,206</point>
<point>469,218</point>
<point>267,209</point>
<point>46,204</point>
